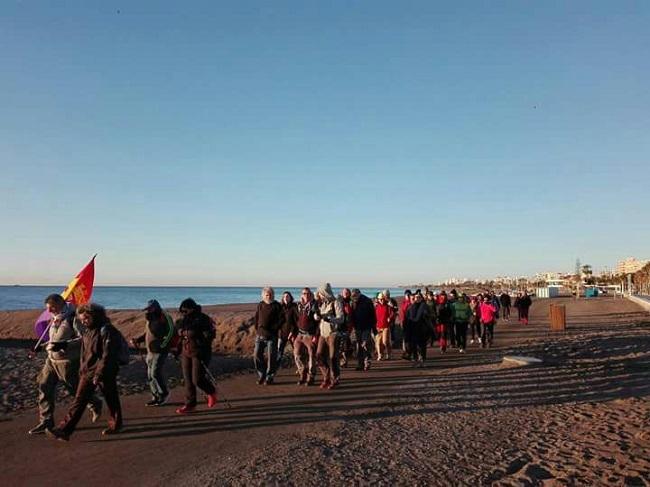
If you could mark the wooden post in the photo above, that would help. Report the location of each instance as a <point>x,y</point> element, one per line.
<point>557,315</point>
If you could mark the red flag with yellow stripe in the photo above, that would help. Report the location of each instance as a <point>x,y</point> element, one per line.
<point>80,289</point>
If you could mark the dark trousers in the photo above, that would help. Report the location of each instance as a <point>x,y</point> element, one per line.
<point>506,312</point>
<point>85,393</point>
<point>194,376</point>
<point>523,313</point>
<point>419,344</point>
<point>364,348</point>
<point>461,334</point>
<point>488,334</point>
<point>408,340</point>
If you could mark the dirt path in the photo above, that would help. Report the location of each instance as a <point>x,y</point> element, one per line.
<point>580,418</point>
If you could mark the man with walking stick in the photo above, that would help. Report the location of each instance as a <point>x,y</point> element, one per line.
<point>61,364</point>
<point>196,330</point>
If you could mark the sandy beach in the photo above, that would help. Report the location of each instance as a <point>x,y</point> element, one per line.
<point>580,418</point>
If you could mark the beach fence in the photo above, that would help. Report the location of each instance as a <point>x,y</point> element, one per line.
<point>557,313</point>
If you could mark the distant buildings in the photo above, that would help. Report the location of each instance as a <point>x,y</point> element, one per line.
<point>630,265</point>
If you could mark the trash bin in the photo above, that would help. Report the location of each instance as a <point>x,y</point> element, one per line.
<point>558,317</point>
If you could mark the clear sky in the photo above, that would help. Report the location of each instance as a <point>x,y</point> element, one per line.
<point>360,142</point>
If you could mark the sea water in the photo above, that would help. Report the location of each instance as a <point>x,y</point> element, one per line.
<point>132,297</point>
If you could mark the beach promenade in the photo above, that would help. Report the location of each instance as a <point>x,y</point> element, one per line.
<point>580,418</point>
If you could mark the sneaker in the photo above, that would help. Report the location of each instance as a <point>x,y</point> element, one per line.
<point>471,342</point>
<point>185,409</point>
<point>461,350</point>
<point>325,384</point>
<point>57,434</point>
<point>269,381</point>
<point>260,381</point>
<point>212,400</point>
<point>40,428</point>
<point>331,386</point>
<point>153,402</point>
<point>111,431</point>
<point>95,414</point>
<point>310,381</point>
<point>163,400</point>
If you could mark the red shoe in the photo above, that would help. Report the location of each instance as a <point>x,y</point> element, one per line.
<point>185,410</point>
<point>325,384</point>
<point>331,386</point>
<point>212,400</point>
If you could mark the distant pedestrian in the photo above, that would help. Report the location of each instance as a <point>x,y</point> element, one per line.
<point>488,318</point>
<point>475,320</point>
<point>524,306</point>
<point>506,302</point>
<point>196,331</point>
<point>405,335</point>
<point>461,313</point>
<point>443,318</point>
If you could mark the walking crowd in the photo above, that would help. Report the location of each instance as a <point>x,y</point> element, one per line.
<point>326,331</point>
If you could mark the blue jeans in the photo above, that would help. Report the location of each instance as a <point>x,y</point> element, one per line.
<point>265,368</point>
<point>157,381</point>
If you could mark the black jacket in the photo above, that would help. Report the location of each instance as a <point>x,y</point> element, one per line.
<point>197,331</point>
<point>363,314</point>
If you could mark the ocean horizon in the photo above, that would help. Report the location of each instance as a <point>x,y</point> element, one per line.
<point>21,297</point>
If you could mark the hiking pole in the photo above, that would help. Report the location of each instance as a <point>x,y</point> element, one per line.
<point>40,340</point>
<point>213,379</point>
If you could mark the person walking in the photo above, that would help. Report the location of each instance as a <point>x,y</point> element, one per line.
<point>289,321</point>
<point>330,317</point>
<point>365,323</point>
<point>488,317</point>
<point>430,300</point>
<point>524,306</point>
<point>506,302</point>
<point>100,351</point>
<point>61,364</point>
<point>269,318</point>
<point>196,331</point>
<point>385,314</point>
<point>345,331</point>
<point>461,315</point>
<point>443,318</point>
<point>419,323</point>
<point>306,337</point>
<point>406,337</point>
<point>158,332</point>
<point>475,320</point>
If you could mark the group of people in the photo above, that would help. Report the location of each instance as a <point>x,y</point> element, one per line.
<point>321,328</point>
<point>85,351</point>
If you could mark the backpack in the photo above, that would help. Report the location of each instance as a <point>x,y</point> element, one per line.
<point>123,351</point>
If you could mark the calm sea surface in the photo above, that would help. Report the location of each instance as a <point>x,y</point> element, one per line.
<point>126,297</point>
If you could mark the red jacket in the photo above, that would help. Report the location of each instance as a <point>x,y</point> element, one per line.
<point>403,308</point>
<point>384,314</point>
<point>488,311</point>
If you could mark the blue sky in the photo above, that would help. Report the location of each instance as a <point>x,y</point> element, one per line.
<point>365,143</point>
